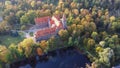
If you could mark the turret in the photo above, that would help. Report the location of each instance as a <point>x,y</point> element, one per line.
<point>64,21</point>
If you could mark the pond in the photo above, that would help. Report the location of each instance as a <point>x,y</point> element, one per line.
<point>61,58</point>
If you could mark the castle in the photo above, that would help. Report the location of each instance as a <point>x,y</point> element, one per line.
<point>49,26</point>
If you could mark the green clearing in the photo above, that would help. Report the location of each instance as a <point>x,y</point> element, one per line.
<point>7,40</point>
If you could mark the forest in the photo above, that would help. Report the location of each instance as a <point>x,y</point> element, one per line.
<point>93,26</point>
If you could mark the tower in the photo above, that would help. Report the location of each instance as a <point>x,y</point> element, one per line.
<point>64,21</point>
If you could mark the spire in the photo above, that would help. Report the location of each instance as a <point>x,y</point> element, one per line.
<point>64,21</point>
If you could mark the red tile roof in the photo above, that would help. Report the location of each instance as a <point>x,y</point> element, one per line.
<point>52,22</point>
<point>45,32</point>
<point>52,30</point>
<point>41,20</point>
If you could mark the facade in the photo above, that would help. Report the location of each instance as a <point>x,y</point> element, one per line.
<point>48,26</point>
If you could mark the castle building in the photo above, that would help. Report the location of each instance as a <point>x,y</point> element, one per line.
<point>49,26</point>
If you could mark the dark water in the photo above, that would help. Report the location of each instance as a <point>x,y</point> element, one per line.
<point>62,58</point>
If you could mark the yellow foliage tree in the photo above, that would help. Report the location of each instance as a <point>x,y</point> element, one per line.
<point>63,34</point>
<point>76,11</point>
<point>69,28</point>
<point>99,49</point>
<point>44,44</point>
<point>88,17</point>
<point>57,12</point>
<point>73,26</point>
<point>3,52</point>
<point>112,18</point>
<point>99,13</point>
<point>33,4</point>
<point>73,5</point>
<point>67,11</point>
<point>90,43</point>
<point>80,27</point>
<point>26,44</point>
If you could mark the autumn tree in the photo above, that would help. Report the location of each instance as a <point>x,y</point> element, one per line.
<point>27,44</point>
<point>94,35</point>
<point>33,4</point>
<point>70,19</point>
<point>115,39</point>
<point>89,26</point>
<point>20,50</point>
<point>45,6</point>
<point>5,55</point>
<point>104,57</point>
<point>80,29</point>
<point>77,20</point>
<point>88,17</point>
<point>4,27</point>
<point>52,42</point>
<point>39,4</point>
<point>92,26</point>
<point>44,45</point>
<point>28,18</point>
<point>75,1</point>
<point>12,20</point>
<point>115,26</point>
<point>67,11</point>
<point>102,43</point>
<point>24,6</point>
<point>24,20</point>
<point>70,41</point>
<point>39,51</point>
<point>19,14</point>
<point>13,49</point>
<point>69,29</point>
<point>90,43</point>
<point>73,5</point>
<point>75,11</point>
<point>84,12</point>
<point>99,13</point>
<point>63,34</point>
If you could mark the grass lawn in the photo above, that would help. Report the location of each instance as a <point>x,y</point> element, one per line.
<point>7,40</point>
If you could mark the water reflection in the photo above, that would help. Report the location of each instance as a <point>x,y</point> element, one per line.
<point>61,58</point>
